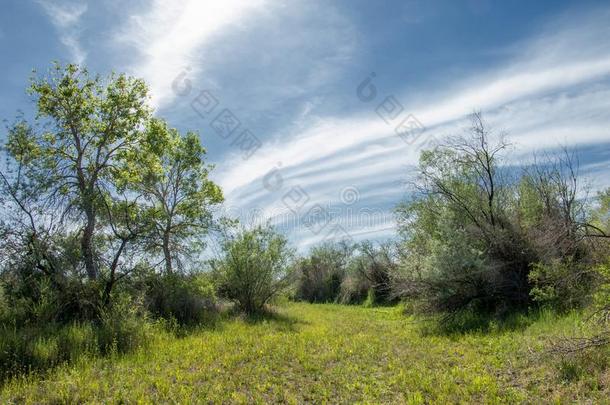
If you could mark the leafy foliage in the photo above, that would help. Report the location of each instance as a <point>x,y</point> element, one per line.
<point>94,190</point>
<point>369,275</point>
<point>174,181</point>
<point>186,299</point>
<point>480,238</point>
<point>322,272</point>
<point>254,268</point>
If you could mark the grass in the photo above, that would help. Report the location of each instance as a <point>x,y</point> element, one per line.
<point>332,353</point>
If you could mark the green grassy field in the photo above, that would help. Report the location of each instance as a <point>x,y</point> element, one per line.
<point>331,353</point>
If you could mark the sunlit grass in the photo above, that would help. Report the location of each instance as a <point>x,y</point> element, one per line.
<point>316,353</point>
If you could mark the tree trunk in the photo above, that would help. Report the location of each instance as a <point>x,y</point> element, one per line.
<point>87,244</point>
<point>167,253</point>
<point>113,267</point>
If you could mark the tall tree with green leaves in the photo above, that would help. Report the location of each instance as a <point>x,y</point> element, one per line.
<point>175,182</point>
<point>82,144</point>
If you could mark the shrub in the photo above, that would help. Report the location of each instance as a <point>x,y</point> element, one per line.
<point>480,238</point>
<point>320,275</point>
<point>562,285</point>
<point>124,326</point>
<point>355,288</point>
<point>602,223</point>
<point>33,298</point>
<point>255,267</point>
<point>369,274</point>
<point>452,272</point>
<point>347,274</point>
<point>188,299</point>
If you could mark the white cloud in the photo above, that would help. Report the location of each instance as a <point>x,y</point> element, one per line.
<point>333,137</point>
<point>553,91</point>
<point>166,36</point>
<point>66,19</point>
<point>507,88</point>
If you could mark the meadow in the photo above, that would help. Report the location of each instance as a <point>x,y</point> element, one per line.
<point>335,353</point>
<point>305,202</point>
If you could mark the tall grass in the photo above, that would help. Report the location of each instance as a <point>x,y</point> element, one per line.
<point>35,349</point>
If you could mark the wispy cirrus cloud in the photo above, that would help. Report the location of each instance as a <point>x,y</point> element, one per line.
<point>165,38</point>
<point>553,90</point>
<point>66,17</point>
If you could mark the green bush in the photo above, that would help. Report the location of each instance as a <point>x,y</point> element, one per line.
<point>562,285</point>
<point>187,299</point>
<point>39,348</point>
<point>33,298</point>
<point>478,237</point>
<point>37,344</point>
<point>369,275</point>
<point>255,267</point>
<point>355,288</point>
<point>320,275</point>
<point>123,327</point>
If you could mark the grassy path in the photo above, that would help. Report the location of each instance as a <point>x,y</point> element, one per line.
<point>321,353</point>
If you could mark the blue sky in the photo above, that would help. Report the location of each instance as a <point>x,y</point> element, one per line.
<point>289,72</point>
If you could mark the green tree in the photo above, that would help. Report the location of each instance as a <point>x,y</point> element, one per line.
<point>89,129</point>
<point>462,251</point>
<point>175,182</point>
